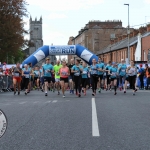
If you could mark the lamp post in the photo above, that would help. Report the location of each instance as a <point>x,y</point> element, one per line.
<point>128,32</point>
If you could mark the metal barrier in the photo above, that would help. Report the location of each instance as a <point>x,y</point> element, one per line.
<point>6,83</point>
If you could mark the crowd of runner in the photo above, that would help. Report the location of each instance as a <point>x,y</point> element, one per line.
<point>78,77</point>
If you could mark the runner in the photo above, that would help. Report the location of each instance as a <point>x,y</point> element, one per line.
<point>94,76</point>
<point>132,69</point>
<point>122,74</point>
<point>100,74</point>
<point>26,74</point>
<point>113,75</point>
<point>107,69</point>
<point>41,79</point>
<point>57,76</point>
<point>84,77</point>
<point>47,70</point>
<point>64,73</point>
<point>37,77</point>
<point>71,77</point>
<point>77,70</point>
<point>17,72</point>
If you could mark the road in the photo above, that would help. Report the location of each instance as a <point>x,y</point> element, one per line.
<point>106,122</point>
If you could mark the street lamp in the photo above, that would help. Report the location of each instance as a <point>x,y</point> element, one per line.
<point>128,32</point>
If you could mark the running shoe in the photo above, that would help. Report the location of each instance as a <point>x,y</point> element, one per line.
<point>45,94</point>
<point>25,93</point>
<point>79,95</point>
<point>93,94</point>
<point>134,94</point>
<point>18,93</point>
<point>70,91</point>
<point>135,90</point>
<point>110,89</point>
<point>58,93</point>
<point>115,93</point>
<point>120,89</point>
<point>14,93</point>
<point>84,93</point>
<point>42,90</point>
<point>63,96</point>
<point>124,91</point>
<point>99,90</point>
<point>76,93</point>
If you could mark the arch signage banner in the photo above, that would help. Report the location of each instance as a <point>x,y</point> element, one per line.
<point>62,50</point>
<point>46,50</point>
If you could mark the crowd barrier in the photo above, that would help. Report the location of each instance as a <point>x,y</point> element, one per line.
<point>6,83</point>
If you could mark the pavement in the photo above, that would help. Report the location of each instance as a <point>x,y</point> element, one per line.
<point>103,122</point>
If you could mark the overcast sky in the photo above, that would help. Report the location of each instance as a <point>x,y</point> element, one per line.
<point>64,18</point>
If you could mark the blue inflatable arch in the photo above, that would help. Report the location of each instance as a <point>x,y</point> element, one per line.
<point>45,51</point>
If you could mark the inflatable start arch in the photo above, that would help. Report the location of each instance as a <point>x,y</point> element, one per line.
<point>45,51</point>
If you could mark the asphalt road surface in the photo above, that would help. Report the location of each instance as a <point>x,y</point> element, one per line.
<point>106,122</point>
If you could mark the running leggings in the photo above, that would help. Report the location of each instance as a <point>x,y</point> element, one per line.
<point>121,80</point>
<point>132,80</point>
<point>78,85</point>
<point>94,80</point>
<point>26,82</point>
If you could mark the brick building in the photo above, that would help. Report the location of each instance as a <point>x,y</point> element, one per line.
<point>96,35</point>
<point>118,48</point>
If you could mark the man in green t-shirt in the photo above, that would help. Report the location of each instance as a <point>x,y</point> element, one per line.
<point>57,76</point>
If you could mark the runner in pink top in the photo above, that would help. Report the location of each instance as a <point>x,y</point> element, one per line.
<point>64,73</point>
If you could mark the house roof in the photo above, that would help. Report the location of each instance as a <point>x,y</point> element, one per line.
<point>121,44</point>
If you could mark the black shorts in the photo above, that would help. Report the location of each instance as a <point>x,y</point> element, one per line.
<point>47,79</point>
<point>112,79</point>
<point>53,80</point>
<point>127,79</point>
<point>100,76</point>
<point>64,79</point>
<point>35,78</point>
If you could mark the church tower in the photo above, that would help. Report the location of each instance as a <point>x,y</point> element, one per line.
<point>35,35</point>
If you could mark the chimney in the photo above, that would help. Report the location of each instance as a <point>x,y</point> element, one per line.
<point>111,41</point>
<point>135,32</point>
<point>119,38</point>
<point>124,36</point>
<point>131,35</point>
<point>142,30</point>
<point>148,28</point>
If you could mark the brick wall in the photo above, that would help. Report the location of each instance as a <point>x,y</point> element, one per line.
<point>145,47</point>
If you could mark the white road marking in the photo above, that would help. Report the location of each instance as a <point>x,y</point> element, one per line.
<point>54,101</point>
<point>95,128</point>
<point>67,100</point>
<point>48,102</point>
<point>22,103</point>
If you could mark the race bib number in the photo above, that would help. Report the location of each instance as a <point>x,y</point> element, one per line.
<point>105,74</point>
<point>123,70</point>
<point>84,72</point>
<point>27,76</point>
<point>64,73</point>
<point>77,74</point>
<point>16,74</point>
<point>113,73</point>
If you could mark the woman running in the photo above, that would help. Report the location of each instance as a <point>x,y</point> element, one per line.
<point>107,68</point>
<point>132,69</point>
<point>17,72</point>
<point>64,72</point>
<point>113,75</point>
<point>26,74</point>
<point>94,76</point>
<point>84,77</point>
<point>37,77</point>
<point>77,70</point>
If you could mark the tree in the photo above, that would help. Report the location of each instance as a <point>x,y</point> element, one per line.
<point>12,27</point>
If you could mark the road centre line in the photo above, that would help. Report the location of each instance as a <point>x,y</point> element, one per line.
<point>95,128</point>
<point>22,103</point>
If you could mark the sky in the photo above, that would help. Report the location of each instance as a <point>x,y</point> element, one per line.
<point>64,18</point>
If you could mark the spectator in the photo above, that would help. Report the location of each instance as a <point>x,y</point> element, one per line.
<point>147,69</point>
<point>141,76</point>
